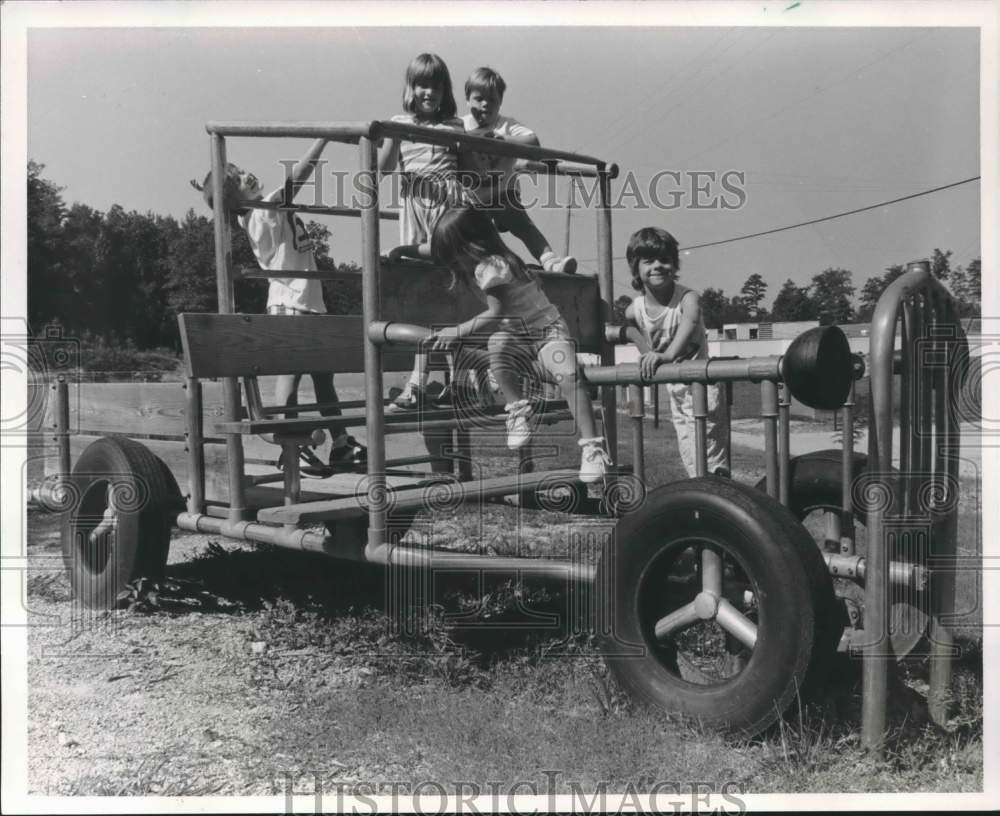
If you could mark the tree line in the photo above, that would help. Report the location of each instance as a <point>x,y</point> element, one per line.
<point>123,277</point>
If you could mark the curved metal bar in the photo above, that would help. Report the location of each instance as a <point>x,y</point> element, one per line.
<point>917,298</point>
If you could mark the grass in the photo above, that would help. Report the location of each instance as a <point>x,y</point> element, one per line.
<point>498,680</point>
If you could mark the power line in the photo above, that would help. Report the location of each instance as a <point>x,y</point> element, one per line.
<point>831,217</point>
<point>817,220</point>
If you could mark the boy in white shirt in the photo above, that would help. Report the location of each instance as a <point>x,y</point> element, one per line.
<point>494,185</point>
<point>280,241</point>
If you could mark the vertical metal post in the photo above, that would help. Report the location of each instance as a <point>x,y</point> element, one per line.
<point>62,427</point>
<point>729,425</point>
<point>194,418</point>
<point>769,414</point>
<point>944,540</point>
<point>655,388</point>
<point>784,443</point>
<point>875,661</point>
<point>227,305</point>
<point>699,400</point>
<point>371,308</point>
<point>292,474</point>
<point>606,281</point>
<point>637,413</point>
<point>847,473</point>
<point>569,214</point>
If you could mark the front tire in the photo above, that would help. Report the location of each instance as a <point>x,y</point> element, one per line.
<point>706,604</point>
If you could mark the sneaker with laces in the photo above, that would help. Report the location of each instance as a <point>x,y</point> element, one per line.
<point>410,398</point>
<point>518,430</point>
<point>594,460</point>
<point>348,454</point>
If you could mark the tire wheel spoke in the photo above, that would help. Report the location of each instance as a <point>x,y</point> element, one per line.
<point>676,621</point>
<point>736,624</point>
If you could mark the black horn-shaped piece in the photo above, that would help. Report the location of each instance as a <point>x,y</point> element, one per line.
<point>817,368</point>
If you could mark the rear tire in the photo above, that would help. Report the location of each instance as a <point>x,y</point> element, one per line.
<point>118,527</point>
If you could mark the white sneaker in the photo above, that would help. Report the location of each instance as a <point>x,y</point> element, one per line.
<point>518,430</point>
<point>594,461</point>
<point>553,263</point>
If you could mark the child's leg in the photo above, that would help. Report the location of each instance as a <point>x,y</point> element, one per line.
<point>523,228</point>
<point>325,392</point>
<point>512,216</point>
<point>559,359</point>
<point>286,392</point>
<point>716,431</point>
<point>682,415</point>
<point>508,362</point>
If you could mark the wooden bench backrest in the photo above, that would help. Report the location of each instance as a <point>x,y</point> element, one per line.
<point>257,345</point>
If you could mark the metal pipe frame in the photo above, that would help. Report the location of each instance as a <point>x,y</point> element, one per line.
<point>62,427</point>
<point>545,158</point>
<point>699,402</point>
<point>784,443</point>
<point>637,414</point>
<point>227,305</point>
<point>920,301</point>
<point>195,445</point>
<point>312,209</point>
<point>312,541</point>
<point>605,274</point>
<point>371,309</point>
<point>769,416</point>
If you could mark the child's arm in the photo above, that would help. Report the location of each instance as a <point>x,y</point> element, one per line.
<point>300,172</point>
<point>483,323</point>
<point>679,346</point>
<point>411,251</point>
<point>388,155</point>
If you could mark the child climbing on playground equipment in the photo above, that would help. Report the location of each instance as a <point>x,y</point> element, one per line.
<point>669,317</point>
<point>491,181</point>
<point>280,241</point>
<point>521,326</point>
<point>429,182</point>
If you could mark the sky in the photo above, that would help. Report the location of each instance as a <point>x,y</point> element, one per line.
<point>818,121</point>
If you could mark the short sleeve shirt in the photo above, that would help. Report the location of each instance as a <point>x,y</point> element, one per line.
<point>427,159</point>
<point>505,127</point>
<point>280,241</point>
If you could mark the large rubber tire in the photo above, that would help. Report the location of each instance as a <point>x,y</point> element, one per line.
<point>120,479</point>
<point>814,485</point>
<point>767,554</point>
<point>814,482</point>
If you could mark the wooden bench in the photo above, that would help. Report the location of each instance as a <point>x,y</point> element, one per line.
<point>248,347</point>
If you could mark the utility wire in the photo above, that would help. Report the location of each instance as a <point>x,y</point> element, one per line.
<point>817,220</point>
<point>831,217</point>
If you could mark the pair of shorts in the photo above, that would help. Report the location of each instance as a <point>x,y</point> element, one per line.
<point>425,200</point>
<point>556,331</point>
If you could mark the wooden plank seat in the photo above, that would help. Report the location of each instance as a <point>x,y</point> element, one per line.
<point>412,497</point>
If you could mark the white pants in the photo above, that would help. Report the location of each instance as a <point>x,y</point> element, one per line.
<point>716,426</point>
